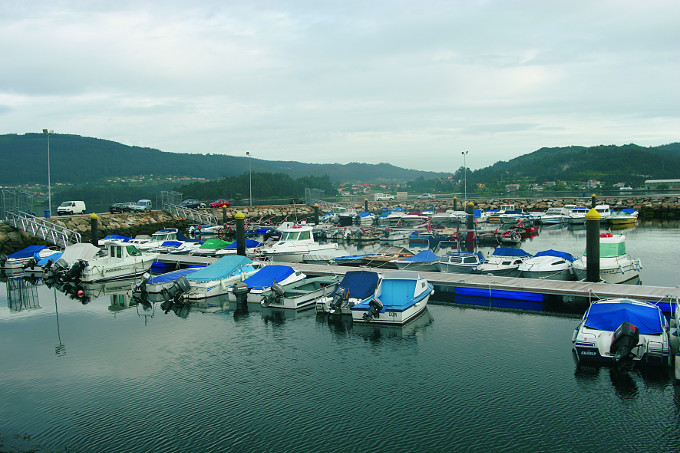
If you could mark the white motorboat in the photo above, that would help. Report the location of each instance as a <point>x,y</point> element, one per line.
<point>425,261</point>
<point>72,261</point>
<point>624,332</point>
<point>21,258</point>
<point>504,261</point>
<point>577,216</point>
<point>626,216</point>
<point>549,265</point>
<point>301,294</point>
<point>121,261</point>
<point>216,279</point>
<point>605,212</point>
<point>616,266</point>
<point>261,281</point>
<point>400,297</point>
<point>460,262</point>
<point>295,242</point>
<point>555,215</point>
<point>352,290</point>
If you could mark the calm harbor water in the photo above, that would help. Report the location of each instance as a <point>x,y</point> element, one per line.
<point>98,377</point>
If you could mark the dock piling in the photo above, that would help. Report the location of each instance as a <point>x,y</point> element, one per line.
<point>593,245</point>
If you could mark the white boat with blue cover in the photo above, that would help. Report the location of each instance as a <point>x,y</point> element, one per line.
<point>352,290</point>
<point>216,279</point>
<point>623,331</point>
<point>549,265</point>
<point>301,294</point>
<point>425,261</point>
<point>18,259</point>
<point>504,261</point>
<point>262,280</point>
<point>400,297</point>
<point>154,284</point>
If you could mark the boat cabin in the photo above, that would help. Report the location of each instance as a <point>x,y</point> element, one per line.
<point>122,251</point>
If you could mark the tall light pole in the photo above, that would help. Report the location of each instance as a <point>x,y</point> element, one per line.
<point>250,179</point>
<point>49,182</point>
<point>465,153</point>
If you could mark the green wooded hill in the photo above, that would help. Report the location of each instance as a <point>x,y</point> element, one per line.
<point>78,160</point>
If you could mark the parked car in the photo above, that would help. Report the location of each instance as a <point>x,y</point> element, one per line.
<point>71,207</point>
<point>384,197</point>
<point>142,206</point>
<point>426,196</point>
<point>121,207</point>
<point>192,203</point>
<point>220,204</point>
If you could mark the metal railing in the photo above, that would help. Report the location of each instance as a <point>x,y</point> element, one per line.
<point>194,215</point>
<point>38,227</point>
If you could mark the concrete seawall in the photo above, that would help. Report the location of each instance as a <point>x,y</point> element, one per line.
<point>132,224</point>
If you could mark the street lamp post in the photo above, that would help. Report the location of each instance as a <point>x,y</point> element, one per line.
<point>250,179</point>
<point>465,153</point>
<point>49,182</point>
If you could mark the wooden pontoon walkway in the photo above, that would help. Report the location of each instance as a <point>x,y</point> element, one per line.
<point>529,285</point>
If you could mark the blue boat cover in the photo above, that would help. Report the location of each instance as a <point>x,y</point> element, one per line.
<point>268,275</point>
<point>360,284</point>
<point>172,276</point>
<point>385,214</point>
<point>250,243</point>
<point>628,210</point>
<point>507,251</point>
<point>424,256</point>
<point>609,316</point>
<point>557,253</point>
<point>116,237</point>
<point>27,252</point>
<point>226,266</point>
<point>171,244</point>
<point>364,214</point>
<point>54,257</point>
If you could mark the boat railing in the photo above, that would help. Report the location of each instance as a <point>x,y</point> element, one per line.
<point>38,227</point>
<point>195,215</point>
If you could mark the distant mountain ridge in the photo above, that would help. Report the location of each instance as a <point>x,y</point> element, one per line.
<point>85,160</point>
<point>76,159</point>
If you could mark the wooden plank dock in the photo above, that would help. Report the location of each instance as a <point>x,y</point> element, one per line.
<point>486,282</point>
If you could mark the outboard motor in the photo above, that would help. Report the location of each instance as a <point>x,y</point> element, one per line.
<point>31,263</point>
<point>339,298</point>
<point>624,340</point>
<point>374,311</point>
<point>240,291</point>
<point>274,295</point>
<point>76,271</point>
<point>3,260</point>
<point>175,292</point>
<point>140,285</point>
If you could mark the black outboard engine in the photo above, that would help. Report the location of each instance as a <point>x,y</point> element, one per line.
<point>240,291</point>
<point>76,271</point>
<point>31,263</point>
<point>374,311</point>
<point>339,298</point>
<point>3,260</point>
<point>175,292</point>
<point>274,295</point>
<point>624,340</point>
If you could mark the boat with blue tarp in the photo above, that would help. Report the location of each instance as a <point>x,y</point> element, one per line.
<point>425,261</point>
<point>550,265</point>
<point>217,278</point>
<point>354,287</point>
<point>263,279</point>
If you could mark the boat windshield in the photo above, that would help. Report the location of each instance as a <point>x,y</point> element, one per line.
<point>295,235</point>
<point>132,250</point>
<point>611,250</point>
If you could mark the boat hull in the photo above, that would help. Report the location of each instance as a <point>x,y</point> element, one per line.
<point>393,317</point>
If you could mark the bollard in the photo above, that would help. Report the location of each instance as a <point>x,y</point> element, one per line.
<point>224,215</point>
<point>455,203</point>
<point>365,204</point>
<point>93,229</point>
<point>470,226</point>
<point>593,245</point>
<point>240,234</point>
<point>593,201</point>
<point>316,213</point>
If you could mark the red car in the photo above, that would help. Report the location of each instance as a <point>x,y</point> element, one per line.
<point>220,204</point>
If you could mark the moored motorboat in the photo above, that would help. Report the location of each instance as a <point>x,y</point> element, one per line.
<point>300,294</point>
<point>400,297</point>
<point>295,242</point>
<point>354,287</point>
<point>504,261</point>
<point>19,259</point>
<point>460,262</point>
<point>549,265</point>
<point>626,216</point>
<point>385,257</point>
<point>624,332</point>
<point>616,266</point>
<point>121,261</point>
<point>216,279</point>
<point>425,261</point>
<point>262,281</point>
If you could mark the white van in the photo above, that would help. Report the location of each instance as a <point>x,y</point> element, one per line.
<point>71,207</point>
<point>142,206</point>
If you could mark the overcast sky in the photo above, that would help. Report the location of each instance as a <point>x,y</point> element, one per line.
<point>412,83</point>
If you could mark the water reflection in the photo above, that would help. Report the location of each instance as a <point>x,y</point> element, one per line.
<point>60,349</point>
<point>280,315</point>
<point>376,332</point>
<point>22,294</point>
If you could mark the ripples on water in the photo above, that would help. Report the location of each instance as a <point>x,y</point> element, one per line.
<point>456,379</point>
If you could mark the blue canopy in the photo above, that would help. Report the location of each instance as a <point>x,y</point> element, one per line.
<point>628,210</point>
<point>172,276</point>
<point>385,214</point>
<point>268,275</point>
<point>54,257</point>
<point>226,266</point>
<point>609,316</point>
<point>424,256</point>
<point>557,253</point>
<point>364,214</point>
<point>507,251</point>
<point>116,237</point>
<point>360,284</point>
<point>171,244</point>
<point>27,252</point>
<point>250,243</point>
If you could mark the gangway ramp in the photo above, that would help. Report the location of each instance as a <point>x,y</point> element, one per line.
<point>42,228</point>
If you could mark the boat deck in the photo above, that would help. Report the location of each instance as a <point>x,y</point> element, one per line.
<point>478,281</point>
